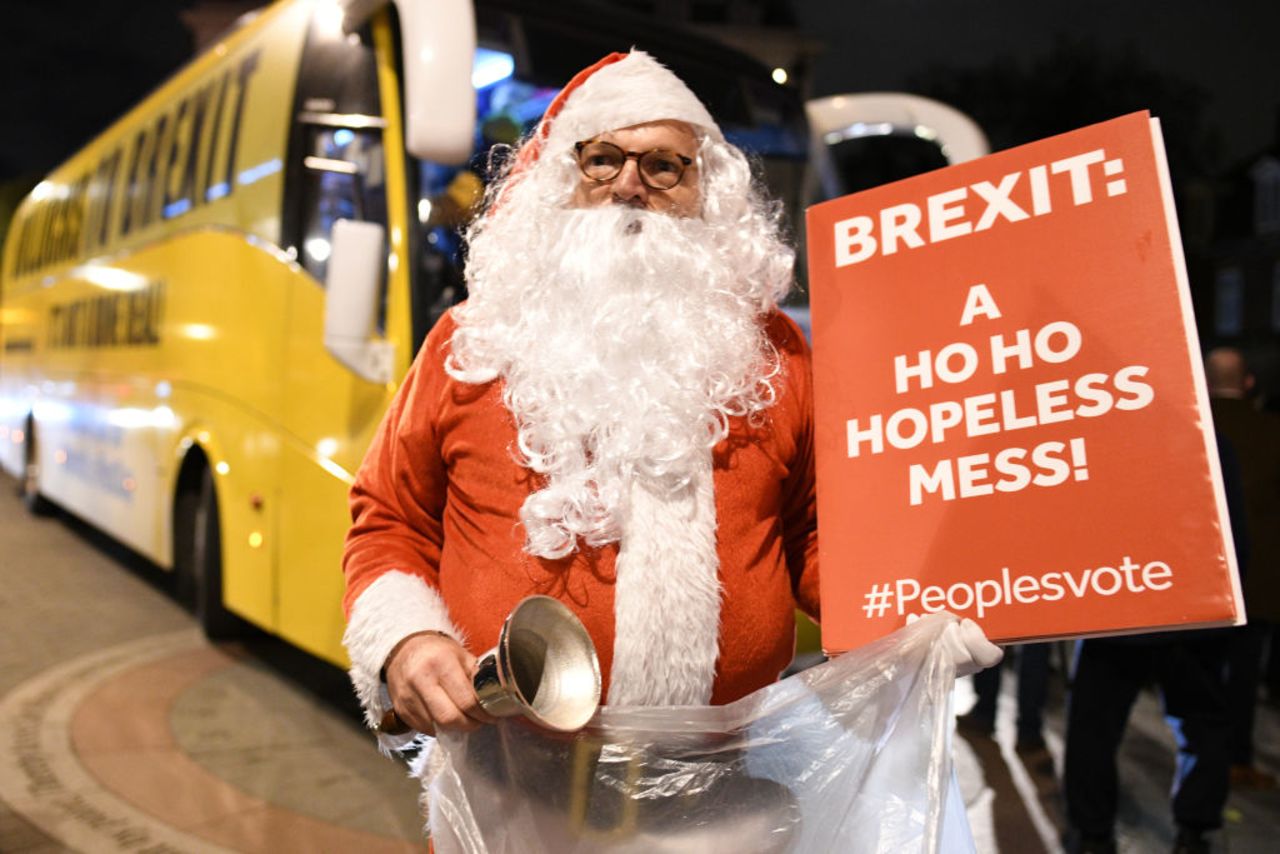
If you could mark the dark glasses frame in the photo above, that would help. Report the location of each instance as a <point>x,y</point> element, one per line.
<point>639,157</point>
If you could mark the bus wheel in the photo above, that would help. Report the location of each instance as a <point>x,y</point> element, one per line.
<point>29,484</point>
<point>198,559</point>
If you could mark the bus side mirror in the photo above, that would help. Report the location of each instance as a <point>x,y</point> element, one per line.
<point>357,259</point>
<point>439,46</point>
<point>438,43</point>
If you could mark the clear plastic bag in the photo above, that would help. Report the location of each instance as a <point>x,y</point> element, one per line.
<point>853,755</point>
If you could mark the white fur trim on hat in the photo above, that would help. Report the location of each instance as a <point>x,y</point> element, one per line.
<point>390,609</point>
<point>631,91</point>
<point>667,599</point>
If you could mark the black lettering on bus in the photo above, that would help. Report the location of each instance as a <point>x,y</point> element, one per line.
<point>48,223</point>
<point>80,198</point>
<point>212,147</point>
<point>105,195</point>
<point>113,324</point>
<point>92,207</point>
<point>136,316</point>
<point>159,148</point>
<point>247,66</point>
<point>61,225</point>
<point>39,221</point>
<point>38,224</point>
<point>52,228</point>
<point>111,319</point>
<point>58,232</point>
<point>179,144</point>
<point>188,188</point>
<point>129,198</point>
<point>47,218</point>
<point>93,211</point>
<point>23,235</point>
<point>120,320</point>
<point>106,321</point>
<point>66,226</point>
<point>67,328</point>
<point>155,312</point>
<point>23,262</point>
<point>112,196</point>
<point>72,322</point>
<point>93,315</point>
<point>80,245</point>
<point>18,234</point>
<point>31,239</point>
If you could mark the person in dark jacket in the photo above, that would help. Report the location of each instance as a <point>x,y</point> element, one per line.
<point>1255,435</point>
<point>1189,667</point>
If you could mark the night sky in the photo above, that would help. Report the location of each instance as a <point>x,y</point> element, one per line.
<point>71,67</point>
<point>1218,62</point>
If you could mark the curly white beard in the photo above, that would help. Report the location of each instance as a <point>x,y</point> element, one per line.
<point>625,340</point>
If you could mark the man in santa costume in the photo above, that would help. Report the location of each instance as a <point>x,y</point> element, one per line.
<point>619,417</point>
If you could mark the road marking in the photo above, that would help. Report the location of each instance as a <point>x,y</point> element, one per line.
<point>93,762</point>
<point>42,779</point>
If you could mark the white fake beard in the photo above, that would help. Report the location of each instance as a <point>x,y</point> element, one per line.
<point>625,344</point>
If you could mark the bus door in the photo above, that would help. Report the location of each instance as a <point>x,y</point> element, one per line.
<point>337,170</point>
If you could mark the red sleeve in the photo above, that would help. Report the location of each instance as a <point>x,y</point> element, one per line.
<point>799,495</point>
<point>397,500</point>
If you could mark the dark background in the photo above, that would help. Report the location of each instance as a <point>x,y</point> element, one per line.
<point>1035,64</point>
<point>1023,69</point>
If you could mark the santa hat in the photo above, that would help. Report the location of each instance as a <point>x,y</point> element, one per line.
<point>621,90</point>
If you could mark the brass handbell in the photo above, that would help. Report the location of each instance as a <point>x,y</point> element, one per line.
<point>544,667</point>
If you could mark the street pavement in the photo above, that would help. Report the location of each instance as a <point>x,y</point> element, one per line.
<point>127,731</point>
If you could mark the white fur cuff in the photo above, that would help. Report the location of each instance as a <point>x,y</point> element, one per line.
<point>390,609</point>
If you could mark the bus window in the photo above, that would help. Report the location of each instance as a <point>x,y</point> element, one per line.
<point>345,179</point>
<point>336,168</point>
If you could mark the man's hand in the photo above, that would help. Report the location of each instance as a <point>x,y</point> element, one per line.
<point>969,648</point>
<point>429,680</point>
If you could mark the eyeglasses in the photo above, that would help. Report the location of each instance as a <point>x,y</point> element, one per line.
<point>603,161</point>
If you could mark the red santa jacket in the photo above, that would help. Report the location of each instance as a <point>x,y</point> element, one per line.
<point>436,541</point>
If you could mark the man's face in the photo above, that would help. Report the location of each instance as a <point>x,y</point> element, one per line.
<point>627,188</point>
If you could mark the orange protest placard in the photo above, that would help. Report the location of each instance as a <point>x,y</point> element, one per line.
<point>1012,421</point>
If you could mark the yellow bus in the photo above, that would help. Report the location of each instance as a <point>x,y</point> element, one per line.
<point>205,312</point>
